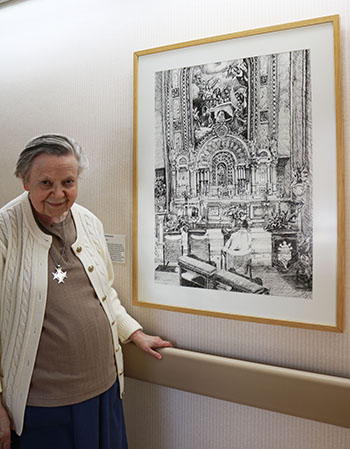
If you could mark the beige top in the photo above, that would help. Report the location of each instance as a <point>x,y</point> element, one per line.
<point>75,359</point>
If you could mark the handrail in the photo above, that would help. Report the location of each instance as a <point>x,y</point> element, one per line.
<point>303,394</point>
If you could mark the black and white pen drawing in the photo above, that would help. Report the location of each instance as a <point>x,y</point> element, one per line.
<point>233,175</point>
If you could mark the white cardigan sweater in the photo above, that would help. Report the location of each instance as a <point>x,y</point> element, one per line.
<point>23,288</point>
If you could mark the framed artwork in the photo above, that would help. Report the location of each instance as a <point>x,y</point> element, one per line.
<point>238,176</point>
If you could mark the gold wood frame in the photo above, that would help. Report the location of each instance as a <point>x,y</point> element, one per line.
<point>143,132</point>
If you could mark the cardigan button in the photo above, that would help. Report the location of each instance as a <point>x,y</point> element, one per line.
<point>79,249</point>
<point>104,298</point>
<point>91,268</point>
<point>117,349</point>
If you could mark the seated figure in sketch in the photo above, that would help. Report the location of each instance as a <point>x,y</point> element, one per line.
<point>238,249</point>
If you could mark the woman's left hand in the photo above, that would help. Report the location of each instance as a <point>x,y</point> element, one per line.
<point>149,342</point>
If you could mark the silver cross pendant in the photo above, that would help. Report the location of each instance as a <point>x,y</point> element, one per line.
<point>59,275</point>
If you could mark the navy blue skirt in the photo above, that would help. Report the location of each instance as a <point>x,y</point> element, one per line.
<point>97,423</point>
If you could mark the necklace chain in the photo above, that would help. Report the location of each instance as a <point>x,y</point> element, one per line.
<point>59,275</point>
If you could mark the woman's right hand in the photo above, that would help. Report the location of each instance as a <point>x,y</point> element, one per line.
<point>5,432</point>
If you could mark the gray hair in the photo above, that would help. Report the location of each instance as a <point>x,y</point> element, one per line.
<point>53,144</point>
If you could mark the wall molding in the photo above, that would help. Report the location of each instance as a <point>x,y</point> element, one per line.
<point>302,394</point>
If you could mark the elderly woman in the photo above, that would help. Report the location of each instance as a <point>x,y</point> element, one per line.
<point>60,318</point>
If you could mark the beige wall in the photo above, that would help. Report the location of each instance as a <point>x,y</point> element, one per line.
<point>66,66</point>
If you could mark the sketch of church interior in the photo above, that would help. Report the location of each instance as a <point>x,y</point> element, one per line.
<point>233,175</point>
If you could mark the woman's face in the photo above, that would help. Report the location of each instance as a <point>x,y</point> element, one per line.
<point>53,186</point>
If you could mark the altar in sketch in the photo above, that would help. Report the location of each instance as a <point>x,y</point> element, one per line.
<point>233,175</point>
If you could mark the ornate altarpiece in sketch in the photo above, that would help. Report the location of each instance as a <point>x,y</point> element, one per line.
<point>233,140</point>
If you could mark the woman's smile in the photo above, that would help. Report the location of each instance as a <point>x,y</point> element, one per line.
<point>53,186</point>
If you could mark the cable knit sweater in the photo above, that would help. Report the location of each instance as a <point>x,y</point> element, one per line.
<point>23,287</point>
